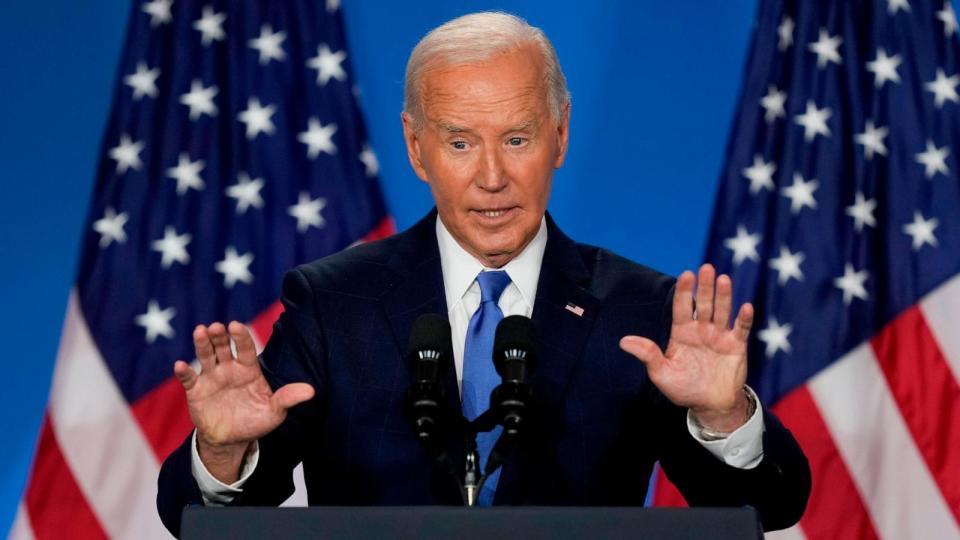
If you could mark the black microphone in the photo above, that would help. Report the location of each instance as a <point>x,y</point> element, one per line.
<point>515,355</point>
<point>515,349</point>
<point>429,353</point>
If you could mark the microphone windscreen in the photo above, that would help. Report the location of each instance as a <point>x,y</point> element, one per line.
<point>430,332</point>
<point>515,332</point>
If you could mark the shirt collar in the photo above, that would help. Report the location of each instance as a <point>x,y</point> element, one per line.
<point>460,268</point>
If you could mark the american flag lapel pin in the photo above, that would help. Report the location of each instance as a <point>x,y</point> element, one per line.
<point>575,309</point>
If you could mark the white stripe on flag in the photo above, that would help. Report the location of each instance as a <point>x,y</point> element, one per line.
<point>941,309</point>
<point>21,529</point>
<point>897,488</point>
<point>99,438</point>
<point>793,533</point>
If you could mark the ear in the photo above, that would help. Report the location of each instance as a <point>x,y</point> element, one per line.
<point>412,138</point>
<point>563,137</point>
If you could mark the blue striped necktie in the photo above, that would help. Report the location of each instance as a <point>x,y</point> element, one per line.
<point>479,375</point>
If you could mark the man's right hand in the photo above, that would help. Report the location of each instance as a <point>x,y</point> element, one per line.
<point>230,402</point>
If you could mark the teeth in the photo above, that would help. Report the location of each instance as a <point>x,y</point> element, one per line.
<point>493,213</point>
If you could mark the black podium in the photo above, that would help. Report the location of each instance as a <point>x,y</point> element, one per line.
<point>500,523</point>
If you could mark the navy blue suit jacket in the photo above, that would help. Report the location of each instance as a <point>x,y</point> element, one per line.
<point>598,426</point>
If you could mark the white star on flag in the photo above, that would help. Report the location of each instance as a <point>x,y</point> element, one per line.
<point>814,121</point>
<point>173,247</point>
<point>307,212</point>
<point>776,337</point>
<point>110,227</point>
<point>246,192</point>
<point>787,265</point>
<point>318,138</point>
<point>895,5</point>
<point>921,231</point>
<point>826,49</point>
<point>369,160</point>
<point>800,193</point>
<point>257,118</point>
<point>852,284</point>
<point>187,174</point>
<point>333,5</point>
<point>743,245</point>
<point>156,321</point>
<point>127,154</point>
<point>143,81</point>
<point>872,140</point>
<point>210,25</point>
<point>235,267</point>
<point>884,68</point>
<point>327,64</point>
<point>944,88</point>
<point>862,212</point>
<point>785,34</point>
<point>949,18</point>
<point>772,104</point>
<point>760,174</point>
<point>268,44</point>
<point>934,160</point>
<point>159,11</point>
<point>200,99</point>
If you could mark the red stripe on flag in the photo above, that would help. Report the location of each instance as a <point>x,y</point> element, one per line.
<point>665,493</point>
<point>836,509</point>
<point>262,324</point>
<point>55,504</point>
<point>163,417</point>
<point>927,395</point>
<point>384,229</point>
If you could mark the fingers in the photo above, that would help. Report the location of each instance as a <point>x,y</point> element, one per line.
<point>705,290</point>
<point>292,394</point>
<point>185,374</point>
<point>203,348</point>
<point>644,350</point>
<point>744,322</point>
<point>683,298</point>
<point>723,302</point>
<point>246,349</point>
<point>221,342</point>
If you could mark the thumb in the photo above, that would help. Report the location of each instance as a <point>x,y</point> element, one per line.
<point>644,350</point>
<point>292,394</point>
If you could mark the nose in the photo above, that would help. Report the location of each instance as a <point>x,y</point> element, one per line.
<point>491,175</point>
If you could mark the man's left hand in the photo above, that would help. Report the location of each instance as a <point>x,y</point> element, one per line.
<point>705,364</point>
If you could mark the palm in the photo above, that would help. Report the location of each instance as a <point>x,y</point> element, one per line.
<point>230,401</point>
<point>233,404</point>
<point>705,365</point>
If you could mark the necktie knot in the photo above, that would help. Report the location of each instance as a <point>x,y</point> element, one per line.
<point>492,285</point>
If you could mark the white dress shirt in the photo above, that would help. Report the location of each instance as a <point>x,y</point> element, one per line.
<point>743,448</point>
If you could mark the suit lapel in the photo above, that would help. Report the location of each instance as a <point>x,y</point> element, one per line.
<point>563,313</point>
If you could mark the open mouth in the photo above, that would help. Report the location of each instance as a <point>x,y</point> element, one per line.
<point>496,214</point>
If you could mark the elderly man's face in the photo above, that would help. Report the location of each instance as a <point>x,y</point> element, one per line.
<point>488,147</point>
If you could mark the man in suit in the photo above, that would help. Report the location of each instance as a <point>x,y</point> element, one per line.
<point>630,373</point>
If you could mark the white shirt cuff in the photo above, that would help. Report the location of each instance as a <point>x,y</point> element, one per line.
<point>215,492</point>
<point>743,448</point>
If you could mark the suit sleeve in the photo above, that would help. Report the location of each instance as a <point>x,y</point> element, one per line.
<point>295,353</point>
<point>778,487</point>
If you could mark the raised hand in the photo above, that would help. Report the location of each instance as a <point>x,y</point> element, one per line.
<point>705,364</point>
<point>230,402</point>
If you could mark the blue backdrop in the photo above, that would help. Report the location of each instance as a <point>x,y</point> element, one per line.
<point>654,86</point>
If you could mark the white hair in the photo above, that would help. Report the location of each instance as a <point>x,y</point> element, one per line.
<point>475,38</point>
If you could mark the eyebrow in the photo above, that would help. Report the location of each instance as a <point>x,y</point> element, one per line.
<point>454,128</point>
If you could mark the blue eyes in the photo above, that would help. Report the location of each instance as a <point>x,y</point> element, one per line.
<point>512,141</point>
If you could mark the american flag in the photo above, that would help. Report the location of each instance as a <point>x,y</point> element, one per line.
<point>838,215</point>
<point>235,150</point>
